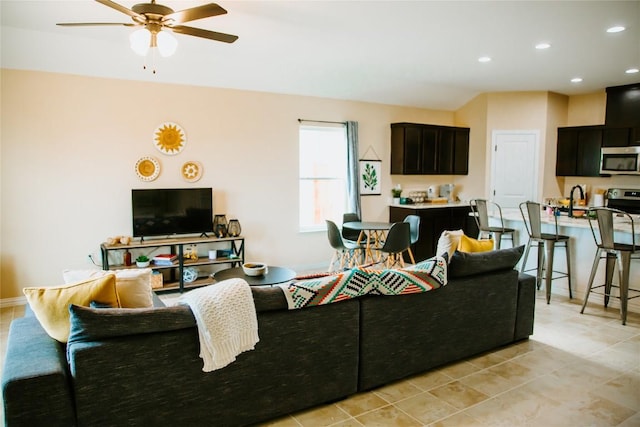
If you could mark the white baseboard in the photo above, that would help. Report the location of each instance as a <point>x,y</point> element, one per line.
<point>12,302</point>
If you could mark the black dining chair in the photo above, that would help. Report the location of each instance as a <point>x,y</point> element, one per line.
<point>398,240</point>
<point>349,234</point>
<point>346,253</point>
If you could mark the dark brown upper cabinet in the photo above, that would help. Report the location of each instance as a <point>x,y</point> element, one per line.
<point>578,151</point>
<point>421,149</point>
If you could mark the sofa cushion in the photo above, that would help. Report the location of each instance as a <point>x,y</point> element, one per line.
<point>469,244</point>
<point>90,324</point>
<point>133,285</point>
<point>467,264</point>
<point>50,304</point>
<point>448,242</point>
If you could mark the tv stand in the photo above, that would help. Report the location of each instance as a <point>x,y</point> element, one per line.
<point>176,245</point>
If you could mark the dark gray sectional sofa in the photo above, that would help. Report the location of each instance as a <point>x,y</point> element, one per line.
<point>142,366</point>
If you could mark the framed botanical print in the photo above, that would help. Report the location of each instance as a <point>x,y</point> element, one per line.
<point>370,176</point>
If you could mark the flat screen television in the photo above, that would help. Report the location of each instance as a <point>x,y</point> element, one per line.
<point>171,211</point>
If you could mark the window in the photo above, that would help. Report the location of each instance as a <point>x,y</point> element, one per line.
<point>322,175</point>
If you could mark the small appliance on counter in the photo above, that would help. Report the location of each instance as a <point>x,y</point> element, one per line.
<point>446,190</point>
<point>433,191</point>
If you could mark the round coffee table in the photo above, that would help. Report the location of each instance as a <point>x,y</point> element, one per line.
<point>273,276</point>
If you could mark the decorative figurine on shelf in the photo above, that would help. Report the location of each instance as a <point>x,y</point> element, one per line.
<point>191,252</point>
<point>234,229</point>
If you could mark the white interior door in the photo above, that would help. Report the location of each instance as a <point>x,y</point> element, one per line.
<point>514,166</point>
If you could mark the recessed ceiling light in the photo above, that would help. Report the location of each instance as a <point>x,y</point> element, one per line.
<point>615,29</point>
<point>543,46</point>
<point>576,80</point>
<point>632,70</point>
<point>484,59</point>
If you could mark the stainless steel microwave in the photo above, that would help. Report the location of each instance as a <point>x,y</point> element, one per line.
<point>620,161</point>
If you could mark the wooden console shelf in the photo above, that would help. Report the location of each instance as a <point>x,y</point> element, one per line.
<point>175,271</point>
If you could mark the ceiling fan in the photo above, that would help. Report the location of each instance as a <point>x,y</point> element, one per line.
<point>155,18</point>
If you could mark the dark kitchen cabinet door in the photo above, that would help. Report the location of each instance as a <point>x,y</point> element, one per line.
<point>578,151</point>
<point>461,152</point>
<point>429,151</point>
<point>406,149</point>
<point>418,149</point>
<point>616,137</point>
<point>567,153</point>
<point>589,146</point>
<point>446,147</point>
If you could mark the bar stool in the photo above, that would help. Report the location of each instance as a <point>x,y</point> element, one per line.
<point>546,244</point>
<point>479,207</point>
<point>610,250</point>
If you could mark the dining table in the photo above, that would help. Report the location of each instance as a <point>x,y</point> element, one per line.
<point>372,235</point>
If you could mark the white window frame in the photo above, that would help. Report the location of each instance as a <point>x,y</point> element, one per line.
<point>329,172</point>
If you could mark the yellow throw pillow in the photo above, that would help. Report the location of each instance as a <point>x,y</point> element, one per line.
<point>469,244</point>
<point>51,304</point>
<point>133,285</point>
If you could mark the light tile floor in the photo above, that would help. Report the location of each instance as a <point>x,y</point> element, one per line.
<point>576,370</point>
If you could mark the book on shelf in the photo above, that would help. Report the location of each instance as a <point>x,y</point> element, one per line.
<point>162,263</point>
<point>165,257</point>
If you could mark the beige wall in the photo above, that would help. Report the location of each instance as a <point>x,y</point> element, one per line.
<point>557,104</point>
<point>474,116</point>
<point>585,110</point>
<point>70,143</point>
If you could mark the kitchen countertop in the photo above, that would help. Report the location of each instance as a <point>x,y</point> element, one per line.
<point>513,214</point>
<point>621,224</point>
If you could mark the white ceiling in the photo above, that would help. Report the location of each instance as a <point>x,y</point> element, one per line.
<point>414,53</point>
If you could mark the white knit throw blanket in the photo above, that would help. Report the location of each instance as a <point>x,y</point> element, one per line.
<point>227,322</point>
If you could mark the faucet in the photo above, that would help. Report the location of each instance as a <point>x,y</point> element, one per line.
<point>571,198</point>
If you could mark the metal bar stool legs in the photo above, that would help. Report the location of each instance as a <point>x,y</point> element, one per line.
<point>546,243</point>
<point>624,264</point>
<point>610,251</point>
<point>549,252</point>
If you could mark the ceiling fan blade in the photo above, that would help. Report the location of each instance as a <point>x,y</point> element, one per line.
<point>206,34</point>
<point>198,12</point>
<point>120,8</point>
<point>86,24</point>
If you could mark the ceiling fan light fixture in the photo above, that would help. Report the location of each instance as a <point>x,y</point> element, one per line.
<point>140,41</point>
<point>167,43</point>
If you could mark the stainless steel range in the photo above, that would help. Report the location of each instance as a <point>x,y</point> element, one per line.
<point>624,199</point>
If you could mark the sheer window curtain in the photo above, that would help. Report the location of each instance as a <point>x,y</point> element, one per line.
<point>353,184</point>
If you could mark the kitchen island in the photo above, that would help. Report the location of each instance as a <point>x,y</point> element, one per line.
<point>434,219</point>
<point>583,251</point>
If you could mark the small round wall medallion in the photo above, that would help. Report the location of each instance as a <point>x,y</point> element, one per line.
<point>169,138</point>
<point>147,168</point>
<point>191,171</point>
